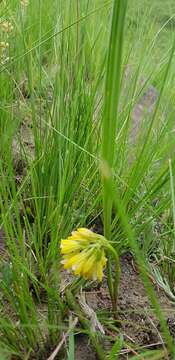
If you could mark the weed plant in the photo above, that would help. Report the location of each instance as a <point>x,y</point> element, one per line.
<point>72,74</point>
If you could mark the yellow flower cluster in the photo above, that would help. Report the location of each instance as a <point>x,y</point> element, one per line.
<point>84,253</point>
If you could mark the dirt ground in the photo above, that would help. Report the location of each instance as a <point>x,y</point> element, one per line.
<point>137,322</point>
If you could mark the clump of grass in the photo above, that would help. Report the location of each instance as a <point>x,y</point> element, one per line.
<point>58,119</point>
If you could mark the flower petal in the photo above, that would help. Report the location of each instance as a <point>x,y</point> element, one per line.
<point>68,246</point>
<point>100,271</point>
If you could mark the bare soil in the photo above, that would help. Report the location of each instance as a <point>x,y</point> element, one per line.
<point>137,321</point>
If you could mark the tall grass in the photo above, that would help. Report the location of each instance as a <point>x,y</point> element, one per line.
<point>58,121</point>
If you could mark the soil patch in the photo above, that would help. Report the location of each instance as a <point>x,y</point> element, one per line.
<point>137,322</point>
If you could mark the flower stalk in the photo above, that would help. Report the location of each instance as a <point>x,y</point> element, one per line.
<point>116,280</point>
<point>110,123</point>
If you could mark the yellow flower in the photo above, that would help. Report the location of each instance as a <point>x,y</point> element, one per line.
<point>83,253</point>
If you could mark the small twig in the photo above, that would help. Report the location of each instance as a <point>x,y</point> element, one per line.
<point>134,352</point>
<point>128,337</point>
<point>127,351</point>
<point>59,346</point>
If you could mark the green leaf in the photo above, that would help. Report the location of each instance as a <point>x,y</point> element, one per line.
<point>114,353</point>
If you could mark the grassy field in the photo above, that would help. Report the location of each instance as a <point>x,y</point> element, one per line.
<point>86,141</point>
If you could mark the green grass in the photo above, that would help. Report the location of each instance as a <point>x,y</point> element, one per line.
<point>66,101</point>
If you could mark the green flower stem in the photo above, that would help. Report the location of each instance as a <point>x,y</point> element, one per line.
<point>109,279</point>
<point>85,323</point>
<point>116,280</point>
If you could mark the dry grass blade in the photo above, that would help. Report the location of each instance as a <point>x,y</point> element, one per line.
<point>90,313</point>
<point>59,346</point>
